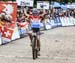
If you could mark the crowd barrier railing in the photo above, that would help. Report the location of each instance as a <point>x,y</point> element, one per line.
<point>20,32</point>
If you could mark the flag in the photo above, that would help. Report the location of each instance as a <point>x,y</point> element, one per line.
<point>7,33</point>
<point>5,7</point>
<point>23,24</point>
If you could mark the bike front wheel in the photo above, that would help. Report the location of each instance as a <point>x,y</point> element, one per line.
<point>34,50</point>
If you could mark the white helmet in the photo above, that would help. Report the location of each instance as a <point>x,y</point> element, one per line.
<point>35,11</point>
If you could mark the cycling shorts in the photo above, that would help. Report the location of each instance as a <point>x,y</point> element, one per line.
<point>36,30</point>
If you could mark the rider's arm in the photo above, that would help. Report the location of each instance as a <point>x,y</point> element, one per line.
<point>27,19</point>
<point>43,13</point>
<point>25,12</point>
<point>42,16</point>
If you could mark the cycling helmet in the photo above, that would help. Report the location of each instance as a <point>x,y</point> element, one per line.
<point>35,11</point>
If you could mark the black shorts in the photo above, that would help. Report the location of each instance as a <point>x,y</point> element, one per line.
<point>36,29</point>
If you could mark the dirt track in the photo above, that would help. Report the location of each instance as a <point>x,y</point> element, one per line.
<point>57,46</point>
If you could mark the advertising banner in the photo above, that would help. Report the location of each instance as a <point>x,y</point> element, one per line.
<point>0,39</point>
<point>42,5</point>
<point>23,28</point>
<point>28,3</point>
<point>47,24</point>
<point>72,6</point>
<point>9,10</point>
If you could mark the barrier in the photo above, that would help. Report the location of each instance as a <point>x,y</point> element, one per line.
<point>8,29</point>
<point>47,24</point>
<point>53,24</point>
<point>16,34</point>
<point>0,39</point>
<point>58,21</point>
<point>42,26</point>
<point>72,21</point>
<point>6,35</point>
<point>67,21</point>
<point>24,27</point>
<point>63,21</point>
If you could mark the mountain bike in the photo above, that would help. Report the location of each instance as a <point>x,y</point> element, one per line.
<point>35,48</point>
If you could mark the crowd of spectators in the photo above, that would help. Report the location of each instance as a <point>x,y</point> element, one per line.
<point>48,14</point>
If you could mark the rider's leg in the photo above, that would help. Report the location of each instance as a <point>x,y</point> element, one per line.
<point>30,36</point>
<point>38,42</point>
<point>38,45</point>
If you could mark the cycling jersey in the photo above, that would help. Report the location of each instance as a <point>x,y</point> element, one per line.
<point>35,21</point>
